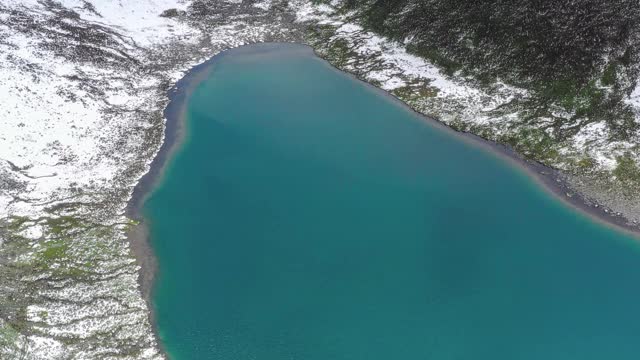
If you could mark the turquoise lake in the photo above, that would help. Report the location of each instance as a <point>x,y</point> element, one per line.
<point>308,216</point>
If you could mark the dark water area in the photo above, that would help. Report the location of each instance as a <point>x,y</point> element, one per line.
<point>308,216</point>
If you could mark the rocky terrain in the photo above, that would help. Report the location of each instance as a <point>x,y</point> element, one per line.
<point>84,84</point>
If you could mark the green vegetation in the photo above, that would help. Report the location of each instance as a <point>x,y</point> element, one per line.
<point>8,338</point>
<point>43,315</point>
<point>569,94</point>
<point>534,143</point>
<point>339,53</point>
<point>71,247</point>
<point>8,335</point>
<point>609,76</point>
<point>415,91</point>
<point>62,225</point>
<point>627,169</point>
<point>16,222</point>
<point>586,163</point>
<point>54,250</point>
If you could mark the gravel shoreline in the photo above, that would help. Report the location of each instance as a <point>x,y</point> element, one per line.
<point>139,236</point>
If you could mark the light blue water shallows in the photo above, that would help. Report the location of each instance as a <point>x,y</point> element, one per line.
<point>309,217</point>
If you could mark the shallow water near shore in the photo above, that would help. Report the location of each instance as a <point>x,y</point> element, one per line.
<point>308,216</point>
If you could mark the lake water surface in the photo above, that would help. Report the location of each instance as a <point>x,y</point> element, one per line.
<point>307,216</point>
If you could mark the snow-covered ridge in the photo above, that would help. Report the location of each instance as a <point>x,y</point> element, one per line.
<point>50,122</point>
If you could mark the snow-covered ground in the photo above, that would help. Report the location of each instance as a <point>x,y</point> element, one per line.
<point>634,98</point>
<point>56,131</point>
<point>84,84</point>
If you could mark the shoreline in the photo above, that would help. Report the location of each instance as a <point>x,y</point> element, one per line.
<point>554,183</point>
<point>139,236</point>
<point>175,129</point>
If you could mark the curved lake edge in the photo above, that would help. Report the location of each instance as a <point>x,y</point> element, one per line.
<point>174,130</point>
<point>549,179</point>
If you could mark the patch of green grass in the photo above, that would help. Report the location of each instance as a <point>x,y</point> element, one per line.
<point>627,169</point>
<point>57,252</point>
<point>16,222</point>
<point>609,76</point>
<point>586,163</point>
<point>61,225</point>
<point>18,323</point>
<point>54,250</point>
<point>565,92</point>
<point>412,93</point>
<point>8,336</point>
<point>623,124</point>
